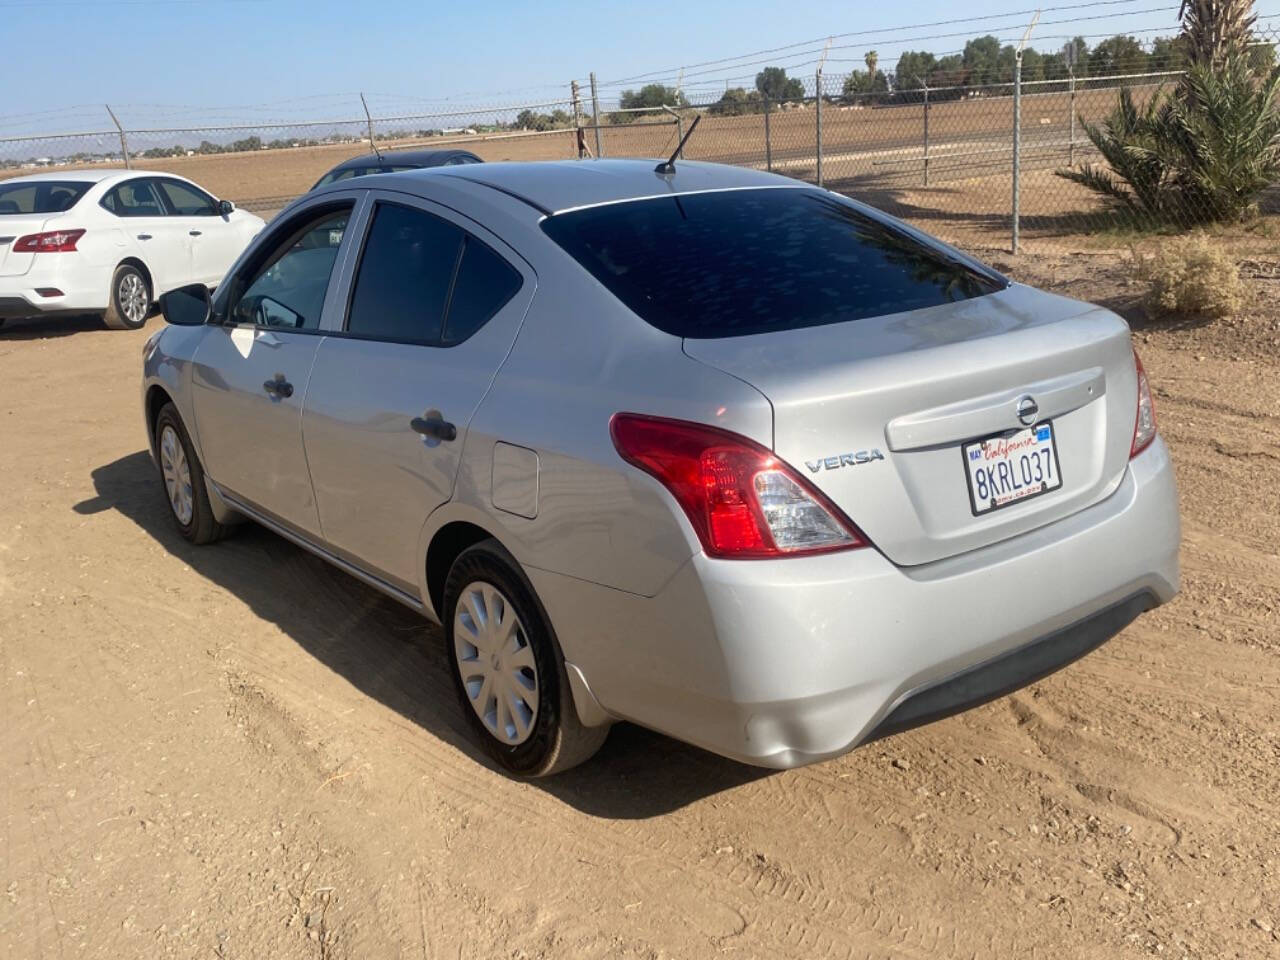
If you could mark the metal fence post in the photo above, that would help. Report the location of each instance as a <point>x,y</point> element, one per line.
<point>595,115</point>
<point>926,133</point>
<point>768,144</point>
<point>579,144</point>
<point>818,139</point>
<point>1017,142</point>
<point>124,142</point>
<point>369,120</point>
<point>1071,144</point>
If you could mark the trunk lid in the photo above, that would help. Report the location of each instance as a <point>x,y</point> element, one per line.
<point>11,228</point>
<point>874,412</point>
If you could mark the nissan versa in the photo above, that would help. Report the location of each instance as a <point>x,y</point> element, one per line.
<point>701,448</point>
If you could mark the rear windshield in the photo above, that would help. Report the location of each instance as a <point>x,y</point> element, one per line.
<point>333,176</point>
<point>739,262</point>
<point>41,196</point>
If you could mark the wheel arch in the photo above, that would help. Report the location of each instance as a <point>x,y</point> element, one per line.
<point>156,397</point>
<point>141,267</point>
<point>445,546</point>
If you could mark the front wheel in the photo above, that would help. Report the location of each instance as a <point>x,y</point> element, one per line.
<point>183,478</point>
<point>507,668</point>
<point>130,299</point>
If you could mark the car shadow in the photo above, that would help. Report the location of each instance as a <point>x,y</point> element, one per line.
<point>43,328</point>
<point>391,654</point>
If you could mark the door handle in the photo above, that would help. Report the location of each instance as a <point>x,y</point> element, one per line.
<point>193,233</point>
<point>144,236</point>
<point>434,427</point>
<point>279,387</point>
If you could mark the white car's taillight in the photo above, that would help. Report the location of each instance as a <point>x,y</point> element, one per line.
<point>54,241</point>
<point>743,501</point>
<point>1144,425</point>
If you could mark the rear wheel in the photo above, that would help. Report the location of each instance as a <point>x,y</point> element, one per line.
<point>183,479</point>
<point>507,668</point>
<point>130,299</point>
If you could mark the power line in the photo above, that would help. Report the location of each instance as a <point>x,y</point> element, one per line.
<point>670,71</point>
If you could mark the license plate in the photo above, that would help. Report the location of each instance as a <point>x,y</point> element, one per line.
<point>1009,468</point>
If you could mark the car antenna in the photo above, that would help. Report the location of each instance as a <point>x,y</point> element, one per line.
<point>669,165</point>
<point>376,152</point>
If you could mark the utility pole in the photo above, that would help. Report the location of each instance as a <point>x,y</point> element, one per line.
<point>1017,128</point>
<point>595,115</point>
<point>818,107</point>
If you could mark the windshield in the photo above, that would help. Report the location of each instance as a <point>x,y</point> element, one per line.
<point>736,262</point>
<point>41,196</point>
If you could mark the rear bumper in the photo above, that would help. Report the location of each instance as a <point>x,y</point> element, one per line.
<point>19,296</point>
<point>782,663</point>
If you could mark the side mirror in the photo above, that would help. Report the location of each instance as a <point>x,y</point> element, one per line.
<point>188,306</point>
<point>225,208</point>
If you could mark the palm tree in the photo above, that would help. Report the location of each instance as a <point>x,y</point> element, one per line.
<point>1216,29</point>
<point>872,58</point>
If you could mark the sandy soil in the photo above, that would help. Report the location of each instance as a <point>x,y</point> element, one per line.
<point>239,752</point>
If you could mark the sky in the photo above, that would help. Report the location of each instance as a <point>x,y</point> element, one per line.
<point>170,62</point>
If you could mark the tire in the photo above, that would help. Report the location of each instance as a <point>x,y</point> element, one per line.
<point>537,742</point>
<point>182,480</point>
<point>130,300</point>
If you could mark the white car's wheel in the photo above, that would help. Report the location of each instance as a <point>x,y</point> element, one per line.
<point>130,299</point>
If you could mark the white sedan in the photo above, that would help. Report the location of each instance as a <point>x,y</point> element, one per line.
<point>111,242</point>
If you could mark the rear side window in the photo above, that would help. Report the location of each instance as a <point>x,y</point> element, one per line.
<point>41,196</point>
<point>423,280</point>
<point>485,283</point>
<point>134,198</point>
<point>741,262</point>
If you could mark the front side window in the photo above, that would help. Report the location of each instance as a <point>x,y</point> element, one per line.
<point>737,262</point>
<point>188,201</point>
<point>134,198</point>
<point>423,280</point>
<point>285,288</point>
<point>41,196</point>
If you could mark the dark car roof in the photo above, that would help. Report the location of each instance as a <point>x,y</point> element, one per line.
<point>404,158</point>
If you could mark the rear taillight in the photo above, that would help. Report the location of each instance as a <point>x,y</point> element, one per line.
<point>55,241</point>
<point>743,501</point>
<point>1144,425</point>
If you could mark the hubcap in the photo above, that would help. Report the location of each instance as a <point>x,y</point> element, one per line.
<point>133,297</point>
<point>496,663</point>
<point>177,474</point>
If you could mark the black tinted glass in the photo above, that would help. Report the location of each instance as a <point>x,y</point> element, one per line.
<point>485,282</point>
<point>136,198</point>
<point>41,196</point>
<point>405,272</point>
<point>755,261</point>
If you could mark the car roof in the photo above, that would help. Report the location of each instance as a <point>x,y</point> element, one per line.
<point>416,158</point>
<point>559,185</point>
<point>91,176</point>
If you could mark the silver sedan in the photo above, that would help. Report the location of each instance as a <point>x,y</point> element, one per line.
<point>702,448</point>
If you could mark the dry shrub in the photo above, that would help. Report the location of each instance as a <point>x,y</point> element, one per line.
<point>1193,276</point>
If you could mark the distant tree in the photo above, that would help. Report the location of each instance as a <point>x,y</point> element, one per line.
<point>736,101</point>
<point>1055,66</point>
<point>860,87</point>
<point>1168,53</point>
<point>981,58</point>
<point>1080,50</point>
<point>871,60</point>
<point>1117,55</point>
<point>914,69</point>
<point>650,95</point>
<point>773,82</point>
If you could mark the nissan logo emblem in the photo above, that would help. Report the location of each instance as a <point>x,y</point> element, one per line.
<point>1027,410</point>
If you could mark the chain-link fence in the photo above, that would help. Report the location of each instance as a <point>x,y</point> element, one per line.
<point>980,164</point>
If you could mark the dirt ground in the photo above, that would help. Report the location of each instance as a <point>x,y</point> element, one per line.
<point>238,752</point>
